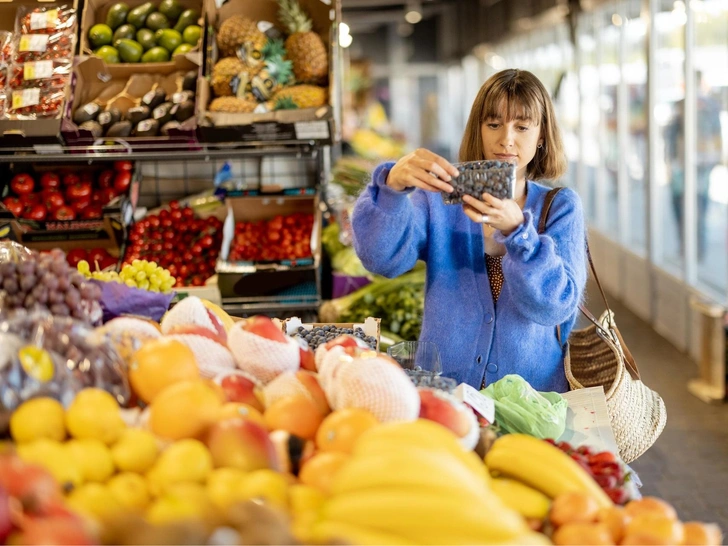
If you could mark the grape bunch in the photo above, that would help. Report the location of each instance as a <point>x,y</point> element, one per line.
<point>318,335</point>
<point>47,282</point>
<point>138,274</point>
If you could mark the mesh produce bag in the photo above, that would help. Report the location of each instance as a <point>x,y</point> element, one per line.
<point>190,310</point>
<point>212,358</point>
<point>265,359</point>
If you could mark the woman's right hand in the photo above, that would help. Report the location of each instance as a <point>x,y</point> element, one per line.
<point>422,169</point>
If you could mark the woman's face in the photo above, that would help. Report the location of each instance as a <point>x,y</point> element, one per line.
<point>514,140</point>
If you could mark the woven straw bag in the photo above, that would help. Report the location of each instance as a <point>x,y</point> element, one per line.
<point>598,356</point>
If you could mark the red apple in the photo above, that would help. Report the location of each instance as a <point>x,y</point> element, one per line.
<point>14,205</point>
<point>64,213</point>
<point>308,359</point>
<point>32,485</point>
<point>55,530</point>
<point>239,388</point>
<point>265,328</point>
<point>450,413</point>
<point>22,184</point>
<point>97,255</point>
<point>194,329</point>
<point>50,180</point>
<point>36,212</point>
<point>241,443</point>
<point>75,255</point>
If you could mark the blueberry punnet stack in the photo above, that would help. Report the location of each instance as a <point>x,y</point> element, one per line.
<point>498,178</point>
<point>318,335</point>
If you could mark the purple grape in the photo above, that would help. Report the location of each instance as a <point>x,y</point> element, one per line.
<point>59,268</point>
<point>10,284</point>
<point>29,301</point>
<point>77,279</point>
<point>26,268</point>
<point>51,281</point>
<point>72,297</point>
<point>59,309</point>
<point>56,297</point>
<point>63,283</point>
<point>7,269</point>
<point>27,282</point>
<point>90,291</point>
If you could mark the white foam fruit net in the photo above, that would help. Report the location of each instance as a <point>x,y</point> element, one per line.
<point>190,310</point>
<point>212,358</point>
<point>286,385</point>
<point>261,357</point>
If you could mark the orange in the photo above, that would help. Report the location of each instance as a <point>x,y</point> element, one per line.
<point>185,409</point>
<point>230,410</point>
<point>297,415</point>
<point>616,519</point>
<point>652,505</point>
<point>340,430</point>
<point>702,534</point>
<point>582,533</point>
<point>656,528</point>
<point>160,363</point>
<point>320,470</point>
<point>573,507</point>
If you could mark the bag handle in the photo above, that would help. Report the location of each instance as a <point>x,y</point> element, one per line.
<point>629,359</point>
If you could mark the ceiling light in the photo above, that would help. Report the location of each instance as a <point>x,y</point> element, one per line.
<point>413,17</point>
<point>343,29</point>
<point>345,40</point>
<point>617,20</point>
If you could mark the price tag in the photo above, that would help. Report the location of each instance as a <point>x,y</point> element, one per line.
<point>480,403</point>
<point>306,130</point>
<point>38,70</point>
<point>43,20</point>
<point>33,42</point>
<point>26,97</point>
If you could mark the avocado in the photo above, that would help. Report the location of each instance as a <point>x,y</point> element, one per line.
<point>129,50</point>
<point>169,39</point>
<point>138,113</point>
<point>192,34</point>
<point>169,125</point>
<point>156,55</point>
<point>146,38</point>
<point>124,32</point>
<point>86,112</point>
<point>171,9</point>
<point>119,129</point>
<point>163,113</point>
<point>109,54</point>
<point>182,96</point>
<point>106,119</point>
<point>115,114</point>
<point>188,17</point>
<point>100,35</point>
<point>189,83</point>
<point>157,20</point>
<point>182,49</point>
<point>96,130</point>
<point>139,14</point>
<point>116,15</point>
<point>147,128</point>
<point>184,111</point>
<point>153,98</point>
<point>158,35</point>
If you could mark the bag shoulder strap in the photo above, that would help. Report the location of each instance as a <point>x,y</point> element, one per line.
<point>630,362</point>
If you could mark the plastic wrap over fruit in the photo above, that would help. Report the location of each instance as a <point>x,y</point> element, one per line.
<point>10,251</point>
<point>119,299</point>
<point>46,355</point>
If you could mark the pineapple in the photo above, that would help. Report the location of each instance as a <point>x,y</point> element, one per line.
<point>270,79</point>
<point>305,48</point>
<point>236,31</point>
<point>232,105</point>
<point>223,74</point>
<point>302,96</point>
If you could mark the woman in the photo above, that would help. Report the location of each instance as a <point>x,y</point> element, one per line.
<point>496,289</point>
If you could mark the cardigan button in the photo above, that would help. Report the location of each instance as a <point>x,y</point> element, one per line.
<point>491,368</point>
<point>488,318</point>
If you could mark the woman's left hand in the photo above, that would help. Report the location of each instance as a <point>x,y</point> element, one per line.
<point>503,215</point>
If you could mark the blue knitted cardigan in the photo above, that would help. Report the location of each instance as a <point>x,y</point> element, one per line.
<point>479,341</point>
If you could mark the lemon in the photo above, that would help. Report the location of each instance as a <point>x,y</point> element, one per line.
<point>130,491</point>
<point>305,499</point>
<point>37,363</point>
<point>93,457</point>
<point>94,501</point>
<point>184,461</point>
<point>224,486</point>
<point>94,413</point>
<point>38,418</point>
<point>268,485</point>
<point>135,451</point>
<point>54,457</point>
<point>182,501</point>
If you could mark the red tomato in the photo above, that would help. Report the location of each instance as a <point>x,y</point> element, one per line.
<point>22,184</point>
<point>36,212</point>
<point>14,205</point>
<point>106,179</point>
<point>53,199</point>
<point>50,180</point>
<point>123,166</point>
<point>71,179</point>
<point>64,213</point>
<point>122,181</point>
<point>78,191</point>
<point>92,212</point>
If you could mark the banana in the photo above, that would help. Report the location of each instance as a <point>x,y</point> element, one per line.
<point>421,433</point>
<point>542,466</point>
<point>326,531</point>
<point>420,469</point>
<point>523,499</point>
<point>226,320</point>
<point>426,518</point>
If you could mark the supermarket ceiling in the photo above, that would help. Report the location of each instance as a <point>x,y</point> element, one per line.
<point>369,15</point>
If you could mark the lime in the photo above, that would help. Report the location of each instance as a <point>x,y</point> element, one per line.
<point>182,49</point>
<point>191,35</point>
<point>100,35</point>
<point>170,39</point>
<point>109,54</point>
<point>38,418</point>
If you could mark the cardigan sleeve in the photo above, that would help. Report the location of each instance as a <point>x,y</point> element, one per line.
<point>389,226</point>
<point>546,274</point>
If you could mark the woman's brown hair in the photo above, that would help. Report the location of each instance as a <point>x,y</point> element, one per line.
<point>524,96</point>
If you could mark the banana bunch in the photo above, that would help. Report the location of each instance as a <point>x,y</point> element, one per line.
<point>543,467</point>
<point>525,500</point>
<point>412,483</point>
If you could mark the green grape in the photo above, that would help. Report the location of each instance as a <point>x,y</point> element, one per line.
<point>154,280</point>
<point>83,267</point>
<point>166,275</point>
<point>144,285</point>
<point>130,282</point>
<point>151,267</point>
<point>136,263</point>
<point>141,276</point>
<point>154,289</point>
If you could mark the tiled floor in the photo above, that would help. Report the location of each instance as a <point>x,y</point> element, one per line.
<point>688,465</point>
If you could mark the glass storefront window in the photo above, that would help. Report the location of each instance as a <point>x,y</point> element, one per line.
<point>711,177</point>
<point>609,75</point>
<point>589,82</point>
<point>670,75</point>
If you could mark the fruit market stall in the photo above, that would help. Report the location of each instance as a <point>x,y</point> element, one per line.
<point>189,426</point>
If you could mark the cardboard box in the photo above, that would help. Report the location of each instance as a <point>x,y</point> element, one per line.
<point>122,87</point>
<point>94,11</point>
<point>310,124</point>
<point>253,209</point>
<point>209,292</point>
<point>43,131</point>
<point>371,326</point>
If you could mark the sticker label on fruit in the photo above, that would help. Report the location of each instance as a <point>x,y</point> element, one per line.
<point>482,405</point>
<point>26,97</point>
<point>33,42</point>
<point>43,20</point>
<point>306,130</point>
<point>38,70</point>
